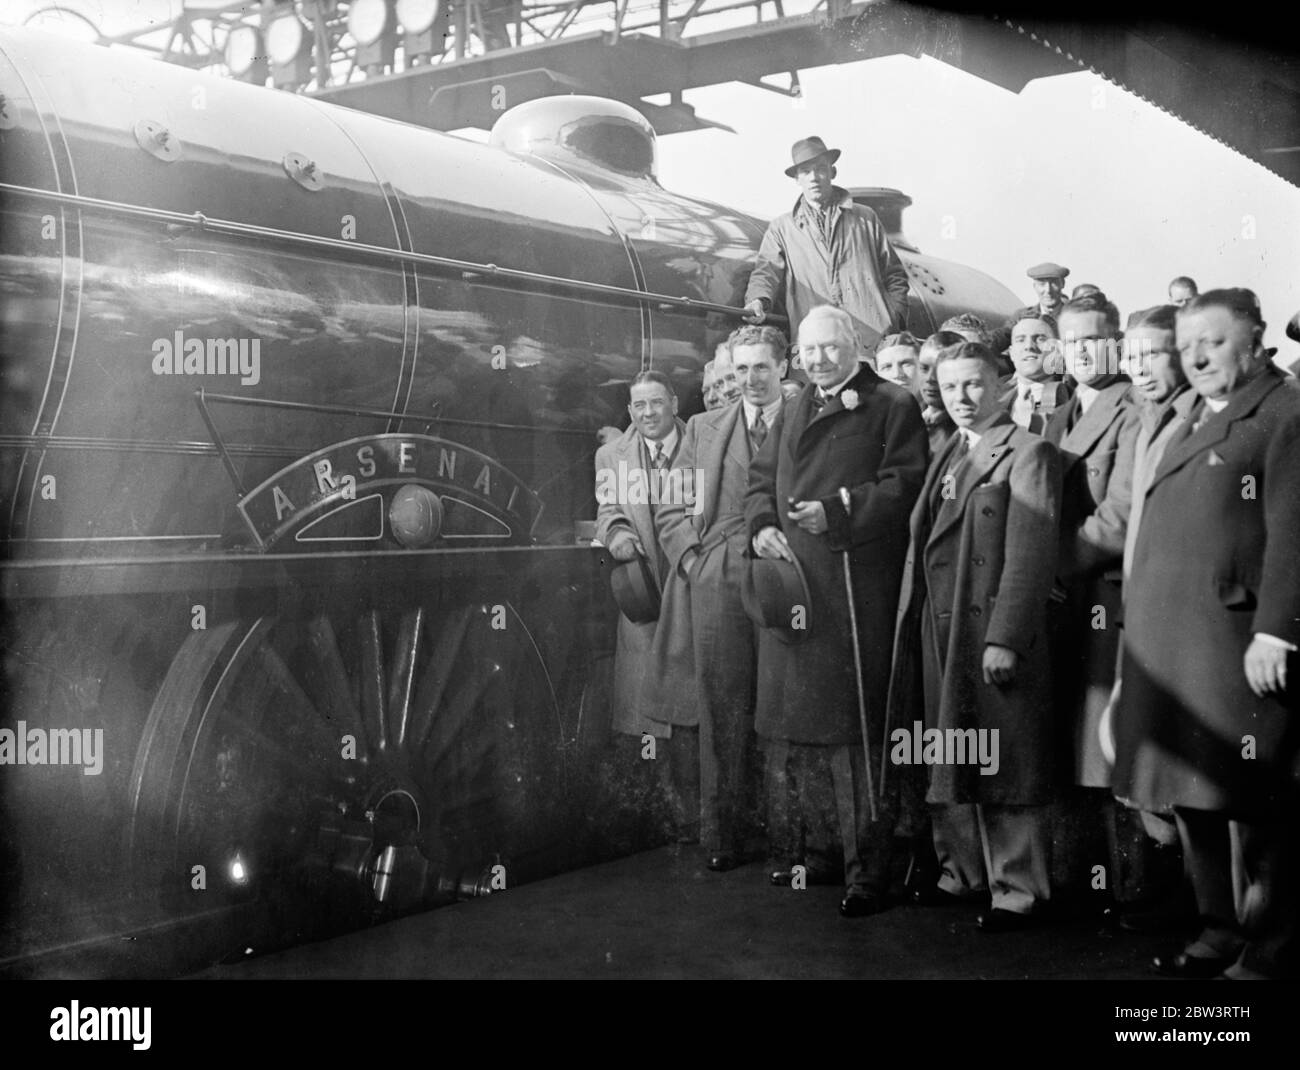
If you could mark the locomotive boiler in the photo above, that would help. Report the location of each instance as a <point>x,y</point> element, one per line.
<point>301,629</point>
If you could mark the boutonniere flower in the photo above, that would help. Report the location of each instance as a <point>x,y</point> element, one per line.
<point>849,398</point>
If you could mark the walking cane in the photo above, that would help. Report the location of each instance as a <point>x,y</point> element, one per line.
<point>857,663</point>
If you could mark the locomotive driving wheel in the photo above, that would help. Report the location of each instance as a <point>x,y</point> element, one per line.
<point>327,771</point>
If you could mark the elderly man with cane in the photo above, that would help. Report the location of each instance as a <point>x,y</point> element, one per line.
<point>847,429</point>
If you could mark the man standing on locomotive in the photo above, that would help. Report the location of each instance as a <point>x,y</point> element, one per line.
<point>629,479</point>
<point>828,251</point>
<point>848,430</point>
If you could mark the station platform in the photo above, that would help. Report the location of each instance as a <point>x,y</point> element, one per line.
<point>662,914</point>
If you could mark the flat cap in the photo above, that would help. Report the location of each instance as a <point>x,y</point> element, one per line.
<point>1047,271</point>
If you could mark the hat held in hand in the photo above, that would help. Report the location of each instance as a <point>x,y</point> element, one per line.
<point>636,590</point>
<point>774,593</point>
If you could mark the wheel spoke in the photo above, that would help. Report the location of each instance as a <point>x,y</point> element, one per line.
<point>458,714</point>
<point>304,712</point>
<point>433,684</point>
<point>302,765</point>
<point>401,690</point>
<point>372,680</point>
<point>332,683</point>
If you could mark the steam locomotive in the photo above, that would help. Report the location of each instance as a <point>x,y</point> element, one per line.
<point>301,628</point>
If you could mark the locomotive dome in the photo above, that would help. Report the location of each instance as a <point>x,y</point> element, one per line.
<point>590,130</point>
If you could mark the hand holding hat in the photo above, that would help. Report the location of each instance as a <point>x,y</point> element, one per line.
<point>624,546</point>
<point>771,544</point>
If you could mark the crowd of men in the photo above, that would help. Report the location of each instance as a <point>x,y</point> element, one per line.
<point>965,598</point>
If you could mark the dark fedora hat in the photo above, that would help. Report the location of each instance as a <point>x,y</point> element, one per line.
<point>773,591</point>
<point>636,590</point>
<point>809,149</point>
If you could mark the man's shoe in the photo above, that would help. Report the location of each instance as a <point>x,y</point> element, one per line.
<point>1199,967</point>
<point>861,906</point>
<point>998,920</point>
<point>722,862</point>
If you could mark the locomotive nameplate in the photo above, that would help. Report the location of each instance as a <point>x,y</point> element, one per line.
<point>349,472</point>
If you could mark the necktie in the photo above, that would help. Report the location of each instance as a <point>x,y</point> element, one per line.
<point>818,401</point>
<point>945,488</point>
<point>659,462</point>
<point>1203,415</point>
<point>758,431</point>
<point>1023,412</point>
<point>963,448</point>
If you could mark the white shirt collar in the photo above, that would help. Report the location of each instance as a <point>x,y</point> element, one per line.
<point>1216,404</point>
<point>1087,395</point>
<point>972,439</point>
<point>769,411</point>
<point>1035,389</point>
<point>669,444</point>
<point>832,391</point>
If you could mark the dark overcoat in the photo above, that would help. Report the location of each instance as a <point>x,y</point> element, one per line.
<point>987,560</point>
<point>938,431</point>
<point>632,652</point>
<point>1096,477</point>
<point>1217,560</point>
<point>807,692</point>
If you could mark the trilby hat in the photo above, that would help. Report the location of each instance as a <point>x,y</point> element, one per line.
<point>809,148</point>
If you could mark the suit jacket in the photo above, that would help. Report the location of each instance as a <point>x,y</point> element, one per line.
<point>1055,394</point>
<point>634,641</point>
<point>1217,560</point>
<point>939,432</point>
<point>716,450</point>
<point>858,271</point>
<point>987,559</point>
<point>1097,474</point>
<point>1097,477</point>
<point>807,693</point>
<point>1158,426</point>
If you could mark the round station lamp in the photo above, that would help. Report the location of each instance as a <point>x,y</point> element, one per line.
<point>246,55</point>
<point>372,26</point>
<point>288,44</point>
<point>424,28</point>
